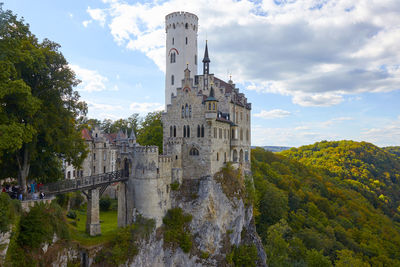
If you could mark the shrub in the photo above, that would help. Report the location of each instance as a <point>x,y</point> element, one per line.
<point>175,186</point>
<point>105,203</point>
<point>76,200</point>
<point>71,214</point>
<point>176,229</point>
<point>40,224</point>
<point>243,255</point>
<point>8,210</point>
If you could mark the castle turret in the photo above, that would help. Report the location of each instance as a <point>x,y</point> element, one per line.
<point>181,49</point>
<point>211,105</point>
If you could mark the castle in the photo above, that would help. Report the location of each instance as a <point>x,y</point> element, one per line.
<point>205,125</point>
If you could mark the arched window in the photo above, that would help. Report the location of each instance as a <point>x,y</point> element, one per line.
<point>198,130</point>
<point>170,131</point>
<point>172,80</point>
<point>183,112</point>
<point>241,156</point>
<point>174,131</point>
<point>190,111</point>
<point>172,57</point>
<point>235,155</point>
<point>184,130</point>
<point>188,131</point>
<point>194,152</point>
<point>202,130</point>
<point>187,111</point>
<point>246,156</point>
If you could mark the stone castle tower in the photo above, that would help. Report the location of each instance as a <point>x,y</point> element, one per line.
<point>181,49</point>
<point>206,124</point>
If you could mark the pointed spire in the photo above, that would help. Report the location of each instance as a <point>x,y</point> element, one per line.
<point>126,134</point>
<point>132,136</point>
<point>206,59</point>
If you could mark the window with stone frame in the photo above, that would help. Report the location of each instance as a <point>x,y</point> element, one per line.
<point>194,151</point>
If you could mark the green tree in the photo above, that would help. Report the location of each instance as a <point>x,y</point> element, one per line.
<point>39,108</point>
<point>151,132</point>
<point>315,258</point>
<point>347,258</point>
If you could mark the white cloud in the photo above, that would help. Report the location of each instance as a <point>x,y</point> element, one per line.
<point>92,81</point>
<point>97,14</point>
<point>314,51</point>
<point>145,107</point>
<point>387,135</point>
<point>335,120</point>
<point>272,114</point>
<point>103,107</point>
<point>85,23</point>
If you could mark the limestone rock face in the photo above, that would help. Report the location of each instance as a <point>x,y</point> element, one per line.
<point>4,242</point>
<point>218,223</point>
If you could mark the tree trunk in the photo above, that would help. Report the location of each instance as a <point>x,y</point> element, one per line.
<point>23,167</point>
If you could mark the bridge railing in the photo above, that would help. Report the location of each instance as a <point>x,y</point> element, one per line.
<point>84,182</point>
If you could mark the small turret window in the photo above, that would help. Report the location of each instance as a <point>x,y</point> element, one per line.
<point>186,40</point>
<point>195,59</point>
<point>209,106</point>
<point>217,156</point>
<point>186,26</point>
<point>173,25</point>
<point>173,40</point>
<point>172,79</point>
<point>213,106</point>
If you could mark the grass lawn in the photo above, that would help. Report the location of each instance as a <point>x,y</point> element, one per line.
<point>108,224</point>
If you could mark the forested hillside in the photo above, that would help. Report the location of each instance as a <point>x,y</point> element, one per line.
<point>330,203</point>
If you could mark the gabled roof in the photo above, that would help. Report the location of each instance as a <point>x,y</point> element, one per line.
<point>86,134</point>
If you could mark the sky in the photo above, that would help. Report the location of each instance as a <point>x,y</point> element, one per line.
<point>313,69</point>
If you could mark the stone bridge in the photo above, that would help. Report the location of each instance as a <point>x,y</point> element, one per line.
<point>92,187</point>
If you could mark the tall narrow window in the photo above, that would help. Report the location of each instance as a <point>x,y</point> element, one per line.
<point>198,130</point>
<point>186,40</point>
<point>187,111</point>
<point>174,131</point>
<point>241,134</point>
<point>217,156</point>
<point>188,131</point>
<point>183,112</point>
<point>186,26</point>
<point>184,130</point>
<point>173,40</point>
<point>202,130</point>
<point>172,79</point>
<point>213,106</point>
<point>190,111</point>
<point>104,169</point>
<point>170,131</point>
<point>195,59</point>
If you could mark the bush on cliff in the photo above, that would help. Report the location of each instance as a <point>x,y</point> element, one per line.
<point>176,229</point>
